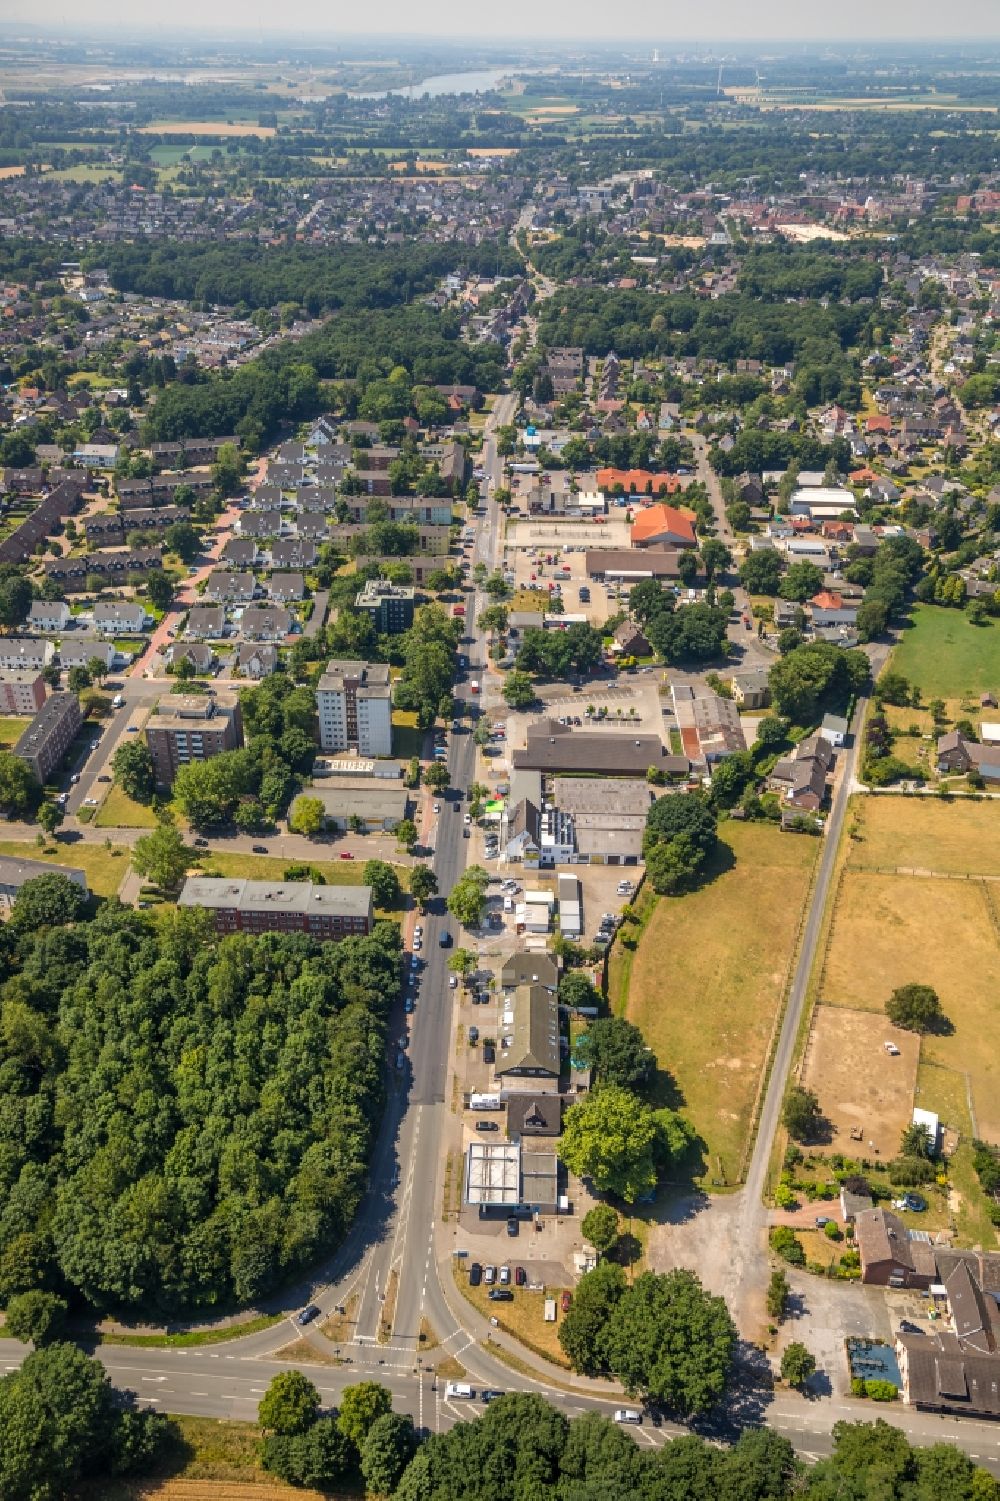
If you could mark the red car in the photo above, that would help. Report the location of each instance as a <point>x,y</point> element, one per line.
<point>520,1276</point>
<point>346,855</point>
<point>565,1301</point>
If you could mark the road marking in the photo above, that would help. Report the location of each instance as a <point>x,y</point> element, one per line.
<point>199,1394</point>
<point>154,1378</point>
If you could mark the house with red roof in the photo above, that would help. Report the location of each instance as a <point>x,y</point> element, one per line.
<point>663,526</point>
<point>638,481</point>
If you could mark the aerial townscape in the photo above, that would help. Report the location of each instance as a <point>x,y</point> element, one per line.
<point>500,753</point>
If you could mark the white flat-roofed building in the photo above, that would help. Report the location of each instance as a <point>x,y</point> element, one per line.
<point>354,705</point>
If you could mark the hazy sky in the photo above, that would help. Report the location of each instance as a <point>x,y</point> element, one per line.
<point>660,20</point>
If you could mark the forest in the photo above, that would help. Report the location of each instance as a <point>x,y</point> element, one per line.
<point>283,383</point>
<point>637,324</point>
<point>184,1122</point>
<point>319,278</point>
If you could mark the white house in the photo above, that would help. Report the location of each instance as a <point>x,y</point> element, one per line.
<point>49,615</point>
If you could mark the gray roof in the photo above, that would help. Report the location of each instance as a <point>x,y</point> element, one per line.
<point>552,747</point>
<point>610,796</point>
<point>230,893</point>
<point>534,1041</point>
<point>14,873</point>
<point>529,969</point>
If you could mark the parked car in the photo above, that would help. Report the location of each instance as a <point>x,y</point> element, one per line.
<point>520,1276</point>
<point>473,1035</point>
<point>505,1276</point>
<point>475,1274</point>
<point>487,1126</point>
<point>513,1226</point>
<point>628,1415</point>
<point>501,1295</point>
<point>259,849</point>
<point>489,1275</point>
<point>490,1394</point>
<point>408,1005</point>
<point>565,1300</point>
<point>346,855</point>
<point>453,982</point>
<point>489,1053</point>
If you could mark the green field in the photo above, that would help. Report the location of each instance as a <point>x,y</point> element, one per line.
<point>407,740</point>
<point>119,811</point>
<point>104,868</point>
<point>11,729</point>
<point>708,978</point>
<point>946,657</point>
<point>271,868</point>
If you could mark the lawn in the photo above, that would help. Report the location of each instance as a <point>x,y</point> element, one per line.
<point>945,656</point>
<point>959,837</point>
<point>889,930</point>
<point>12,728</point>
<point>945,1091</point>
<point>119,811</point>
<point>407,739</point>
<point>708,979</point>
<point>104,868</point>
<point>272,868</point>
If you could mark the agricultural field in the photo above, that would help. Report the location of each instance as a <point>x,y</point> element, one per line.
<point>945,656</point>
<point>206,128</point>
<point>925,833</point>
<point>707,981</point>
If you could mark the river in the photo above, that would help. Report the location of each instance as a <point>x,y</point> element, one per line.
<point>443,83</point>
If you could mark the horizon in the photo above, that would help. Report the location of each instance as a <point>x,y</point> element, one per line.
<point>779,22</point>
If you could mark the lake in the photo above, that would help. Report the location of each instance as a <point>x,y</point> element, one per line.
<point>443,83</point>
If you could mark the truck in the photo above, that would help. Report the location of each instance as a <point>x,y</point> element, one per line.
<point>474,686</point>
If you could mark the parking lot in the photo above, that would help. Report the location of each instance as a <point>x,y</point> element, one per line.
<point>533,572</point>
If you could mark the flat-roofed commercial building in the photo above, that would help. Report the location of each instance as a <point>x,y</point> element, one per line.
<point>50,734</point>
<point>192,727</point>
<point>239,906</point>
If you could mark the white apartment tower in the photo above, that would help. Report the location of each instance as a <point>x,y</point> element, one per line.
<point>354,704</point>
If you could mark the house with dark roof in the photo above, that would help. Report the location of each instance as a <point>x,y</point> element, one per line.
<point>555,747</point>
<point>956,753</point>
<point>528,1056</point>
<point>893,1255</point>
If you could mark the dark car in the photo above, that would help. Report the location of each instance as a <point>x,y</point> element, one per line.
<point>490,1394</point>
<point>487,1126</point>
<point>489,1053</point>
<point>201,843</point>
<point>501,1295</point>
<point>565,1300</point>
<point>513,1227</point>
<point>308,1313</point>
<point>520,1276</point>
<point>260,849</point>
<point>475,1274</point>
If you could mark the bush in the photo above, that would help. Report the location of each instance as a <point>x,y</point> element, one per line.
<point>786,1244</point>
<point>832,1230</point>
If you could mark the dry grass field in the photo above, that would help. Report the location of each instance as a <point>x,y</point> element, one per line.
<point>858,1084</point>
<point>707,980</point>
<point>205,128</point>
<point>955,838</point>
<point>889,930</point>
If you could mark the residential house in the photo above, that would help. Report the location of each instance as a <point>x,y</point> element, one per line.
<point>120,618</point>
<point>892,1255</point>
<point>957,754</point>
<point>208,621</point>
<point>750,690</point>
<point>239,906</point>
<point>630,641</point>
<point>198,653</point>
<point>49,615</point>
<point>286,586</point>
<point>265,623</point>
<point>230,588</point>
<point>256,660</point>
<point>78,651</point>
<point>14,873</point>
<point>25,652</point>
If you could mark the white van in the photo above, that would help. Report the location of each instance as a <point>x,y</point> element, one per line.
<point>117,701</point>
<point>628,1415</point>
<point>458,1391</point>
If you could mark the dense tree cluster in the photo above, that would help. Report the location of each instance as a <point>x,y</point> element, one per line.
<point>814,677</point>
<point>555,654</point>
<point>61,1423</point>
<point>679,840</point>
<point>317,278</point>
<point>186,1121</point>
